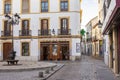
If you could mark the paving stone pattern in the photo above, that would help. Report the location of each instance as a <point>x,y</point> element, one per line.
<point>86,69</point>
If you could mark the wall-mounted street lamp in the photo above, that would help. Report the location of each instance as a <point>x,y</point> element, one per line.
<point>13,20</point>
<point>99,24</point>
<point>53,32</point>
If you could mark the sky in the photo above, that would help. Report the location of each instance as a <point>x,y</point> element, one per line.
<point>90,10</point>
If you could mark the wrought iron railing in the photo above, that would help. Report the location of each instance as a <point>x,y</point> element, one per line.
<point>25,32</point>
<point>45,32</point>
<point>64,31</point>
<point>6,33</point>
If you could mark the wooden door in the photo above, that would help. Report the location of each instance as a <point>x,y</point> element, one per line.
<point>58,52</point>
<point>118,50</point>
<point>45,52</point>
<point>65,52</point>
<point>7,47</point>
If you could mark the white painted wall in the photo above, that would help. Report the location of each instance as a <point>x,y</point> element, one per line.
<point>16,6</point>
<point>74,41</point>
<point>54,14</point>
<point>54,5</point>
<point>54,21</point>
<point>74,5</point>
<point>33,44</point>
<point>109,12</point>
<point>74,23</point>
<point>35,6</point>
<point>106,53</point>
<point>1,6</point>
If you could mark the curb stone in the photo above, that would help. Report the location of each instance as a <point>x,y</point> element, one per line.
<point>58,67</point>
<point>24,69</point>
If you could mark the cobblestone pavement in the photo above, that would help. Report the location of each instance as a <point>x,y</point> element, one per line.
<point>86,69</point>
<point>26,71</point>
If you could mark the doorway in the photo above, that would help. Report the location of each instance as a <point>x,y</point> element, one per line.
<point>44,52</point>
<point>65,52</point>
<point>7,47</point>
<point>54,50</point>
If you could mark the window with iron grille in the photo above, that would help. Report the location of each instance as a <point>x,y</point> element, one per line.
<point>44,5</point>
<point>64,5</point>
<point>25,49</point>
<point>7,7</point>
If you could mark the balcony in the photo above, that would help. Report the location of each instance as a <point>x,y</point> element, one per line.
<point>64,31</point>
<point>45,32</point>
<point>6,33</point>
<point>89,39</point>
<point>25,32</point>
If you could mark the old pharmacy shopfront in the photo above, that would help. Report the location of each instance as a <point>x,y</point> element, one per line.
<point>54,50</point>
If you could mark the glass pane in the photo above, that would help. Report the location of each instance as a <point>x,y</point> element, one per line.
<point>25,24</point>
<point>64,5</point>
<point>54,51</point>
<point>44,6</point>
<point>7,8</point>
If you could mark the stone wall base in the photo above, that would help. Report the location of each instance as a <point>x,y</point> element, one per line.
<point>27,58</point>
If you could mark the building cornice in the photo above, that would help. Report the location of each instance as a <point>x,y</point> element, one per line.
<point>40,37</point>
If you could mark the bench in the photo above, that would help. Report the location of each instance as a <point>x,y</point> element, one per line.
<point>12,62</point>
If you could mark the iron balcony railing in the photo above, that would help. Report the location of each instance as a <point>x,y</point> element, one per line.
<point>44,32</point>
<point>25,32</point>
<point>6,33</point>
<point>64,31</point>
<point>44,10</point>
<point>89,39</point>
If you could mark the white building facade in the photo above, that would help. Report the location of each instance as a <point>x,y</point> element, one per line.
<point>109,14</point>
<point>48,29</point>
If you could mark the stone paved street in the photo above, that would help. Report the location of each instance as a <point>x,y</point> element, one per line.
<point>26,71</point>
<point>86,69</point>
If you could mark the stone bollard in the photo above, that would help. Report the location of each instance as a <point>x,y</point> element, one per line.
<point>52,69</point>
<point>40,75</point>
<point>47,71</point>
